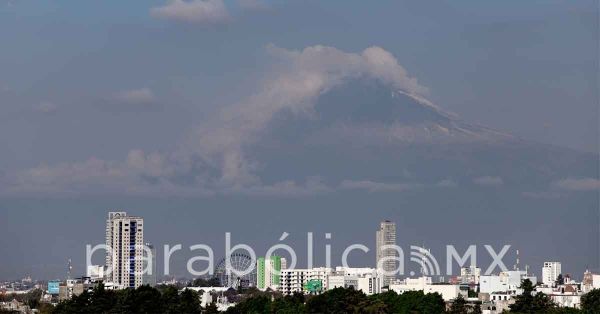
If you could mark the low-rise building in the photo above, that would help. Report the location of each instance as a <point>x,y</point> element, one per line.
<point>470,275</point>
<point>425,284</point>
<point>507,281</point>
<point>317,280</point>
<point>295,280</point>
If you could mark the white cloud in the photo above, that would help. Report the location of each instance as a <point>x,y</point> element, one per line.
<point>446,183</point>
<point>193,11</point>
<point>488,181</point>
<point>373,186</point>
<point>288,188</point>
<point>579,184</point>
<point>294,86</point>
<point>46,107</point>
<point>67,178</point>
<point>212,159</point>
<point>139,96</point>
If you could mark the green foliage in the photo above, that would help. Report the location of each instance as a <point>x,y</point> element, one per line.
<point>144,299</point>
<point>565,310</point>
<point>472,293</point>
<point>211,309</point>
<point>289,304</point>
<point>201,282</point>
<point>412,302</point>
<point>560,280</point>
<point>459,306</point>
<point>32,298</point>
<point>255,305</point>
<point>529,303</point>
<point>477,309</point>
<point>340,300</point>
<point>590,302</point>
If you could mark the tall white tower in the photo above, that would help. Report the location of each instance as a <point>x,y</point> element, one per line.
<point>124,260</point>
<point>386,235</point>
<point>550,272</point>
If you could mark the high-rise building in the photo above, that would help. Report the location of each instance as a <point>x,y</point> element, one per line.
<point>268,272</point>
<point>386,235</point>
<point>124,258</point>
<point>550,272</point>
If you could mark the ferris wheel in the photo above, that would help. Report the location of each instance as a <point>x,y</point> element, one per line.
<point>240,263</point>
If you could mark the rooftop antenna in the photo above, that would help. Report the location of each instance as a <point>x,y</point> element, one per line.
<point>516,267</point>
<point>69,269</point>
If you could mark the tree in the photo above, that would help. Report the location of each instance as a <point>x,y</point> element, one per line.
<point>590,302</point>
<point>337,300</point>
<point>289,304</point>
<point>560,280</point>
<point>189,302</point>
<point>170,300</point>
<point>32,298</point>
<point>255,305</point>
<point>211,309</point>
<point>201,282</point>
<point>45,308</point>
<point>477,309</point>
<point>102,300</point>
<point>410,302</point>
<point>459,306</point>
<point>528,303</point>
<point>472,293</point>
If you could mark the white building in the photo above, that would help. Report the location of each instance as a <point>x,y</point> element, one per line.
<point>425,284</point>
<point>386,236</point>
<point>294,280</point>
<point>95,272</point>
<point>550,272</point>
<point>124,258</point>
<point>508,281</point>
<point>470,275</point>
<point>367,280</point>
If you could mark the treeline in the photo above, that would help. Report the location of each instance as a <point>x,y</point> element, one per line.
<point>144,299</point>
<point>528,302</point>
<point>340,300</point>
<point>168,299</point>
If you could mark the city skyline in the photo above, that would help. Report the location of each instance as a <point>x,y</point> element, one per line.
<point>118,264</point>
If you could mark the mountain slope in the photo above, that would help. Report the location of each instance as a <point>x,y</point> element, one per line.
<point>364,130</point>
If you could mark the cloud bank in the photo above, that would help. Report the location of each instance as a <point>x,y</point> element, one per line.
<point>372,186</point>
<point>299,80</point>
<point>212,158</point>
<point>580,184</point>
<point>193,11</point>
<point>135,96</point>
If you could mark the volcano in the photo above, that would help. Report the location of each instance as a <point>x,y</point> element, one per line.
<point>365,130</point>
